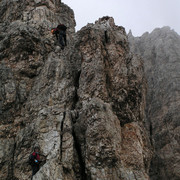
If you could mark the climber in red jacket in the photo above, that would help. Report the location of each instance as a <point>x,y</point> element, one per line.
<point>35,160</point>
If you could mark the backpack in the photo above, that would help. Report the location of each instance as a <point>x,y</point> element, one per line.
<point>62,27</point>
<point>31,159</point>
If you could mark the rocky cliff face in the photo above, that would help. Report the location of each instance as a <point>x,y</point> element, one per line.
<point>161,53</point>
<point>83,106</point>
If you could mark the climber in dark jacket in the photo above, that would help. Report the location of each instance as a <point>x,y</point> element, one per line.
<point>35,161</point>
<point>62,35</point>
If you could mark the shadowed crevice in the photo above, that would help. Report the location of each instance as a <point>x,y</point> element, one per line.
<point>77,144</point>
<point>61,136</point>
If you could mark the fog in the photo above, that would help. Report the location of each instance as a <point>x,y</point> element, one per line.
<point>138,15</point>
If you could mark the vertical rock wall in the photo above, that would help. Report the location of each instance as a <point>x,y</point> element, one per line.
<point>111,94</point>
<point>84,106</point>
<point>161,53</point>
<point>25,49</point>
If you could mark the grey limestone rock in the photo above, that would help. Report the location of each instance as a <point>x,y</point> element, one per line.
<point>83,106</point>
<point>160,51</point>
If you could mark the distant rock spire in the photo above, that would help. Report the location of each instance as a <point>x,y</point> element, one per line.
<point>130,33</point>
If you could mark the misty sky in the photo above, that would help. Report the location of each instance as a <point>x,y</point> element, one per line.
<point>138,15</point>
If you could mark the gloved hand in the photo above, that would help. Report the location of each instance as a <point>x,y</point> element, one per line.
<point>36,160</point>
